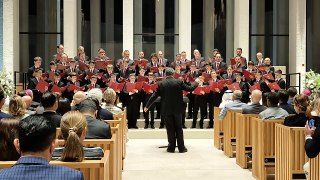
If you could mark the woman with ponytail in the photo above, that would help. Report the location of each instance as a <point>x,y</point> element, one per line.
<point>73,130</point>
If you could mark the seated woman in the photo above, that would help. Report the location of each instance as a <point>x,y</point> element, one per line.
<point>17,107</point>
<point>73,130</point>
<point>109,97</point>
<point>300,104</point>
<point>8,132</point>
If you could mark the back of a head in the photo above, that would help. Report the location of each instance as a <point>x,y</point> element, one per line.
<point>169,71</point>
<point>73,129</point>
<point>48,100</point>
<point>36,134</point>
<point>302,102</point>
<point>17,107</point>
<point>8,132</point>
<point>272,99</point>
<point>1,95</point>
<point>27,100</point>
<point>78,97</point>
<point>109,96</point>
<point>256,96</point>
<point>227,95</point>
<point>87,106</point>
<point>96,93</point>
<point>283,96</point>
<point>237,95</point>
<point>292,92</point>
<point>63,106</point>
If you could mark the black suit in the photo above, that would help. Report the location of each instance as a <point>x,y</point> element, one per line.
<point>105,114</point>
<point>54,117</point>
<point>30,73</point>
<point>254,108</point>
<point>222,65</point>
<point>288,107</point>
<point>76,70</point>
<point>36,94</point>
<point>298,120</point>
<point>281,83</point>
<point>170,91</point>
<point>312,146</point>
<point>97,129</point>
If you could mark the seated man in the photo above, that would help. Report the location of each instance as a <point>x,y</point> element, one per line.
<point>273,111</point>
<point>255,107</point>
<point>235,104</point>
<point>104,114</point>
<point>2,101</point>
<point>49,102</point>
<point>292,91</point>
<point>36,142</point>
<point>97,129</point>
<point>283,101</point>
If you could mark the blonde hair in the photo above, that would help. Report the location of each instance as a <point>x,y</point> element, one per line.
<point>17,107</point>
<point>109,96</point>
<point>73,125</point>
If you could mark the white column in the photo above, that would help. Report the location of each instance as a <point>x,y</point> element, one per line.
<point>297,39</point>
<point>11,35</point>
<point>185,27</point>
<point>70,27</point>
<point>24,39</point>
<point>95,27</point>
<point>241,26</point>
<point>128,26</point>
<point>160,25</point>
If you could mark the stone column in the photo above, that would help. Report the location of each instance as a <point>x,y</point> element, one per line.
<point>160,25</point>
<point>95,27</point>
<point>138,28</point>
<point>208,28</point>
<point>297,39</point>
<point>185,27</point>
<point>128,26</point>
<point>241,26</point>
<point>10,58</point>
<point>70,27</point>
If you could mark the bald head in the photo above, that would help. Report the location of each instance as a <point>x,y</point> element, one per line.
<point>27,100</point>
<point>78,97</point>
<point>256,96</point>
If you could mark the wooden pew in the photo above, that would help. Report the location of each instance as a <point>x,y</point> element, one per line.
<point>229,132</point>
<point>107,144</point>
<point>244,138</point>
<point>314,168</point>
<point>263,146</point>
<point>290,154</point>
<point>91,169</point>
<point>218,129</point>
<point>123,117</point>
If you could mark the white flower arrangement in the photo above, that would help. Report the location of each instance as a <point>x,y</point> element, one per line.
<point>6,83</point>
<point>312,84</point>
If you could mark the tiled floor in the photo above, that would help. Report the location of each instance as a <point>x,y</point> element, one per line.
<point>145,161</point>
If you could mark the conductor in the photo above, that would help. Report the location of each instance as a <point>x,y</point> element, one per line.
<point>170,91</point>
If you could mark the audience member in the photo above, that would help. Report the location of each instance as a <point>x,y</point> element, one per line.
<point>283,101</point>
<point>235,104</point>
<point>77,98</point>
<point>28,100</point>
<point>63,106</point>
<point>300,104</point>
<point>96,128</point>
<point>36,142</point>
<point>103,113</point>
<point>17,107</point>
<point>273,111</point>
<point>2,101</point>
<point>226,98</point>
<point>255,107</point>
<point>8,132</point>
<point>49,102</point>
<point>109,97</point>
<point>292,91</point>
<point>73,130</point>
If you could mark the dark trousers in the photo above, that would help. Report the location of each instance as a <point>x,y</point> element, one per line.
<point>199,103</point>
<point>184,114</point>
<point>190,104</point>
<point>214,101</point>
<point>133,107</point>
<point>146,116</point>
<point>174,131</point>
